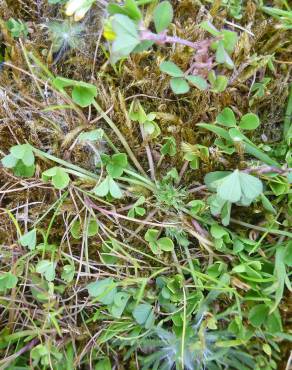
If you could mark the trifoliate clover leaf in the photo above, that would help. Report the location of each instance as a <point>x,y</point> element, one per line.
<point>23,152</point>
<point>60,178</point>
<point>108,186</point>
<point>116,164</point>
<point>237,185</point>
<point>156,244</point>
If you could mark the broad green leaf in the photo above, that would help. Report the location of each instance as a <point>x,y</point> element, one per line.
<point>249,121</point>
<point>213,179</point>
<point>83,95</point>
<point>226,118</point>
<point>17,28</point>
<point>127,36</point>
<point>22,170</point>
<point>47,269</point>
<point>92,228</point>
<point>198,81</point>
<point>114,189</point>
<point>142,312</point>
<point>258,315</point>
<point>251,186</point>
<point>29,239</point>
<point>279,187</point>
<point>116,165</point>
<point>68,273</point>
<point>267,204</point>
<point>82,91</point>
<point>60,177</point>
<point>93,135</point>
<point>229,40</point>
<point>130,9</point>
<point>151,235</point>
<point>179,85</point>
<point>165,244</point>
<point>151,129</point>
<point>171,69</point>
<point>273,323</point>
<point>218,232</point>
<point>103,364</point>
<point>169,147</point>
<point>162,16</point>
<point>23,152</point>
<point>102,189</point>
<point>9,161</point>
<point>236,135</point>
<point>230,188</point>
<point>7,281</point>
<point>103,290</point>
<point>76,229</point>
<point>222,56</point>
<point>137,112</point>
<point>219,84</point>
<point>237,185</point>
<point>120,302</point>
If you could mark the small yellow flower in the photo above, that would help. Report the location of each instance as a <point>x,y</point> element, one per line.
<point>108,32</point>
<point>78,8</point>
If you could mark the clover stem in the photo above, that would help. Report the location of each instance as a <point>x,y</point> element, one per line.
<point>162,38</point>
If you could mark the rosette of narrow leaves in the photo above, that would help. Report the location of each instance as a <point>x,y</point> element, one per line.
<point>21,159</point>
<point>180,82</point>
<point>158,245</point>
